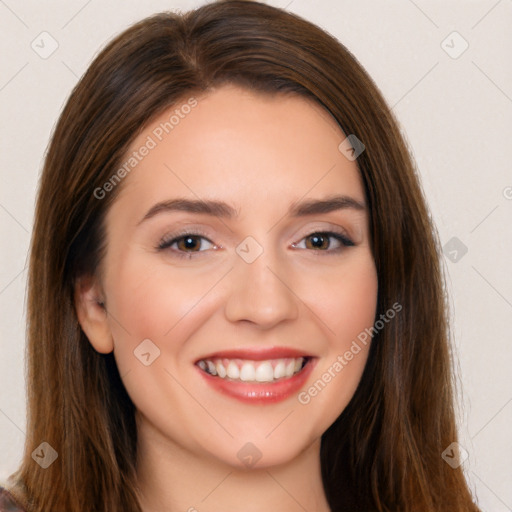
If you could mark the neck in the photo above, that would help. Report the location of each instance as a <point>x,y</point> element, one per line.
<point>173,479</point>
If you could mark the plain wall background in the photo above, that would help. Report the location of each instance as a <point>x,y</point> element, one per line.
<point>455,111</point>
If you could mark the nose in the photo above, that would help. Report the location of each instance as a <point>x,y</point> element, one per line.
<point>261,293</point>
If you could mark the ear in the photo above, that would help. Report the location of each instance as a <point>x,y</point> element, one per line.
<point>92,314</point>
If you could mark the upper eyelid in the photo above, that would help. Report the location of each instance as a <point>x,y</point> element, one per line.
<point>191,229</point>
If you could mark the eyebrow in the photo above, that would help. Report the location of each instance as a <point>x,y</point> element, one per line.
<point>224,210</point>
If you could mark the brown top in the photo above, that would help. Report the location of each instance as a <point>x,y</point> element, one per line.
<point>8,503</point>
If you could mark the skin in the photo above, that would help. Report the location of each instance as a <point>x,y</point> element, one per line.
<point>260,154</point>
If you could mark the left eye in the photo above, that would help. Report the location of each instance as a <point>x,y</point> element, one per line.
<point>321,241</point>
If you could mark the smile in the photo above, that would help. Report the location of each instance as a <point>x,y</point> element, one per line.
<point>259,376</point>
<point>269,370</point>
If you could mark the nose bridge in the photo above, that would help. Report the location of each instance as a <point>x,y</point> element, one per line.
<point>259,291</point>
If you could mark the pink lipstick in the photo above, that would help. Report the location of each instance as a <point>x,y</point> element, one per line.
<point>257,376</point>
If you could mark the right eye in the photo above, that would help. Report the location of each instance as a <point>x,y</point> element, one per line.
<point>185,244</point>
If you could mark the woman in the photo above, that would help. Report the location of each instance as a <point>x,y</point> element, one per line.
<point>235,296</point>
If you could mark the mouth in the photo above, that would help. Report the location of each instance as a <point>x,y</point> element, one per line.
<point>257,376</point>
<point>243,370</point>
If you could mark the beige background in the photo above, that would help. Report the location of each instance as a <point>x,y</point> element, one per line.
<point>455,108</point>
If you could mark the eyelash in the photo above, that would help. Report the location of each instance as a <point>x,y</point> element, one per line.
<point>167,242</point>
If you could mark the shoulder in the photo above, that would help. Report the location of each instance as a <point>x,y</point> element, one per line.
<point>8,503</point>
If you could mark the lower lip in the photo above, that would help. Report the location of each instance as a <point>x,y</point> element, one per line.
<point>260,393</point>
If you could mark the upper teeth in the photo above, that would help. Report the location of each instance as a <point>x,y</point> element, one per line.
<point>255,371</point>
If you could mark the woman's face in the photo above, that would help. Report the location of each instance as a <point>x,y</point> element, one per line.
<point>225,275</point>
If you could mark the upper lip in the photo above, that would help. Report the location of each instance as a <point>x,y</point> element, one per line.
<point>256,354</point>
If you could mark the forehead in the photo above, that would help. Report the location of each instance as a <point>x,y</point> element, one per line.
<point>240,146</point>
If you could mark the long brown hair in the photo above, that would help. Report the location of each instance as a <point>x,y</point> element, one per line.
<point>384,451</point>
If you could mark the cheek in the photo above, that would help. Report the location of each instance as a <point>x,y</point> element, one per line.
<point>347,308</point>
<point>358,302</point>
<point>151,302</point>
<point>346,301</point>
